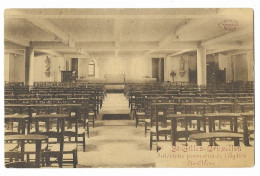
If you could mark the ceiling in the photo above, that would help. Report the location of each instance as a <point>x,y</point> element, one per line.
<point>128,32</point>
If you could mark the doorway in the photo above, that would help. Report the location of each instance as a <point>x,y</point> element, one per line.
<point>74,66</point>
<point>158,69</point>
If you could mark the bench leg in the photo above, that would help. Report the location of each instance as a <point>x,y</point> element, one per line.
<point>236,142</point>
<point>151,141</point>
<point>88,129</point>
<point>75,159</point>
<point>198,142</point>
<point>145,128</point>
<point>136,121</point>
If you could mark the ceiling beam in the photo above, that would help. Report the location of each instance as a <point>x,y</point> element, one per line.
<point>74,55</point>
<point>188,26</point>
<point>180,52</point>
<point>47,45</point>
<point>52,52</point>
<point>110,45</point>
<point>232,36</point>
<point>182,28</point>
<point>231,45</point>
<point>49,27</point>
<point>157,55</point>
<point>10,45</point>
<point>13,51</point>
<point>18,40</point>
<point>84,53</point>
<point>172,36</point>
<point>237,52</point>
<point>215,51</point>
<point>226,51</point>
<point>122,45</point>
<point>182,45</point>
<point>103,55</point>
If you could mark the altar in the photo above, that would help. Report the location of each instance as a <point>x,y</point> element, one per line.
<point>115,83</point>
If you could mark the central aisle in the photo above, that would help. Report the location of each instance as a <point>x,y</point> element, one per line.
<point>117,143</point>
<point>114,104</point>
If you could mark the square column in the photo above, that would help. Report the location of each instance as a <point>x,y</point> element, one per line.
<point>201,66</point>
<point>29,66</point>
<point>250,66</point>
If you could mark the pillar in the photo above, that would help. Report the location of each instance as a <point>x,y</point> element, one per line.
<point>250,65</point>
<point>29,65</point>
<point>68,64</point>
<point>160,70</point>
<point>201,66</point>
<point>6,67</point>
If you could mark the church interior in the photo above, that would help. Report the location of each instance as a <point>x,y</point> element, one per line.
<point>113,87</point>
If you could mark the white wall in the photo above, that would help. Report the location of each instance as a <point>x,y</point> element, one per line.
<point>243,66</point>
<point>240,67</point>
<point>83,67</point>
<point>173,63</point>
<point>225,62</point>
<point>137,67</point>
<point>40,67</point>
<point>132,67</point>
<point>14,68</point>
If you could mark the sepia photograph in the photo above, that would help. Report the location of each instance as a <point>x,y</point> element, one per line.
<point>129,88</point>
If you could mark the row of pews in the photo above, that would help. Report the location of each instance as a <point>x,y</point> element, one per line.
<point>183,114</point>
<point>45,125</point>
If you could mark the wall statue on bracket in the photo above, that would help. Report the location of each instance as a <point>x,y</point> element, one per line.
<point>182,67</point>
<point>47,67</point>
<point>172,74</point>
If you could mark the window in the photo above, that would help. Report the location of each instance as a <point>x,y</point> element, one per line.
<point>91,68</point>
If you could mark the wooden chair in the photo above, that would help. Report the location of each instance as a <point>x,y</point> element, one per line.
<point>222,107</point>
<point>16,147</point>
<point>140,109</point>
<point>162,127</point>
<point>187,123</point>
<point>57,149</point>
<point>83,119</point>
<point>211,137</point>
<point>150,114</point>
<point>21,164</point>
<point>92,111</point>
<point>12,152</point>
<point>247,123</point>
<point>75,129</point>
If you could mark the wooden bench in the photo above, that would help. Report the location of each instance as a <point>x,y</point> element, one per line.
<point>213,135</point>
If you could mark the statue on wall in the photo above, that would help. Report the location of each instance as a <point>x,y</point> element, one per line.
<point>173,74</point>
<point>47,67</point>
<point>182,67</point>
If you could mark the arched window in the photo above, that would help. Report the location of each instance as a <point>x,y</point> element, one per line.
<point>91,68</point>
